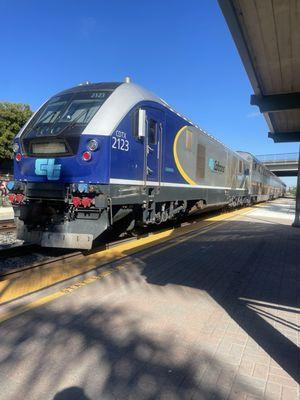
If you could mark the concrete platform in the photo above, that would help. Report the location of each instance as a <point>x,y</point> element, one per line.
<point>213,315</point>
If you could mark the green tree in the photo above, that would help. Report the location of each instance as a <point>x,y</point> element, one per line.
<point>292,190</point>
<point>12,117</point>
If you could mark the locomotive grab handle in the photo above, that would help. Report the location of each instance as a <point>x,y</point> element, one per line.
<point>149,149</point>
<point>149,170</point>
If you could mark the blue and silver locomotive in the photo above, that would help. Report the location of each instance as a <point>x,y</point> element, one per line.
<point>106,155</point>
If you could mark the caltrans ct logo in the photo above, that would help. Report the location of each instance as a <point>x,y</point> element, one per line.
<point>47,167</point>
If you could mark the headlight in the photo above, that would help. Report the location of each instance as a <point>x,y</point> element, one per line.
<point>92,145</point>
<point>16,147</point>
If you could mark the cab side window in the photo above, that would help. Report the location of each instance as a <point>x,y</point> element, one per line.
<point>152,131</point>
<point>135,122</point>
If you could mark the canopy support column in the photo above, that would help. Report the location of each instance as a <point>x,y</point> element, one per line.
<point>296,222</point>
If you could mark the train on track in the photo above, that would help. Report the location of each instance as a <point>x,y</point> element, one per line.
<point>105,155</point>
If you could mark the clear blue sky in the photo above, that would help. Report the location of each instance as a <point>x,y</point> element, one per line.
<point>180,50</point>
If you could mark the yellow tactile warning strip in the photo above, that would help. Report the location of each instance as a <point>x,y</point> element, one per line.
<point>33,280</point>
<point>46,299</point>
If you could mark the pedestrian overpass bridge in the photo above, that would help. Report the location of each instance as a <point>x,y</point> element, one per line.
<point>285,164</point>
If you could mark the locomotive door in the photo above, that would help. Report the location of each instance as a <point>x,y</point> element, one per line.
<point>153,146</point>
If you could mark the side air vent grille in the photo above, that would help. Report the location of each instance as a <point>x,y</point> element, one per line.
<point>200,167</point>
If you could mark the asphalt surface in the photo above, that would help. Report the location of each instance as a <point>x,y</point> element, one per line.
<point>213,315</point>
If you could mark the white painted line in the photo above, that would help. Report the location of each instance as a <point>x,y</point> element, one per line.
<point>168,184</point>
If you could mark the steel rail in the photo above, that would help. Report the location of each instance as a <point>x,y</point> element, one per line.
<point>68,254</point>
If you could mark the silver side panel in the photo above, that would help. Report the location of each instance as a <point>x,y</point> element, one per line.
<point>116,107</point>
<point>67,240</point>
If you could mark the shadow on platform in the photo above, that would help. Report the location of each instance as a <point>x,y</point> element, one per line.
<point>127,365</point>
<point>74,393</point>
<point>254,262</point>
<point>241,265</point>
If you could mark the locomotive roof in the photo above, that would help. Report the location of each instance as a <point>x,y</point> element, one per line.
<point>125,96</point>
<point>121,101</point>
<point>91,86</point>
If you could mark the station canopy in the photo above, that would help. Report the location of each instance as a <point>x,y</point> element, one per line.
<point>267,36</point>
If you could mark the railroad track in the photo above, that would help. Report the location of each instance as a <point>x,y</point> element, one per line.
<point>7,225</point>
<point>52,255</point>
<point>60,265</point>
<point>48,253</point>
<point>48,256</point>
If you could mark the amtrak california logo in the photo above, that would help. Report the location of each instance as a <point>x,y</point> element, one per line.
<point>215,166</point>
<point>47,167</point>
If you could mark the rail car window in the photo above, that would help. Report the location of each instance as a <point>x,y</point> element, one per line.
<point>135,123</point>
<point>200,166</point>
<point>152,131</point>
<point>67,110</point>
<point>65,117</point>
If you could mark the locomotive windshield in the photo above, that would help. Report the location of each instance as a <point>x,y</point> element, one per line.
<point>63,117</point>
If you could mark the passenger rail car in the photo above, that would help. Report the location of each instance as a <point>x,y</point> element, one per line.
<point>264,185</point>
<point>107,155</point>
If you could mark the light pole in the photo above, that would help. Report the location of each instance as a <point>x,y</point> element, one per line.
<point>296,222</point>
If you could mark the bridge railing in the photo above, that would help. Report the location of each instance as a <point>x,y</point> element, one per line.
<point>283,158</point>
